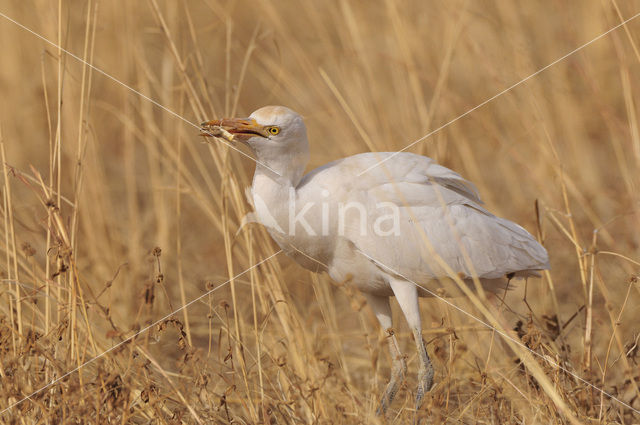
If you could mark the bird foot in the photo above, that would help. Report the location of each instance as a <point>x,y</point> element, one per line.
<point>425,382</point>
<point>398,373</point>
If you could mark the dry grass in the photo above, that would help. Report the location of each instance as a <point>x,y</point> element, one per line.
<point>96,177</point>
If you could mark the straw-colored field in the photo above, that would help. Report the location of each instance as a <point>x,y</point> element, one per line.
<point>114,213</point>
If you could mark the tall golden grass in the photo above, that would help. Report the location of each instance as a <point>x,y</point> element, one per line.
<point>114,213</point>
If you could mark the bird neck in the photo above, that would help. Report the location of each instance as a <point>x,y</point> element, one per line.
<point>283,174</point>
<point>271,187</point>
<point>284,164</point>
<point>279,170</point>
<point>272,195</point>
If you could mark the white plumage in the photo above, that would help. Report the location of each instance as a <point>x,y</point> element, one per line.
<point>436,205</point>
<point>405,220</point>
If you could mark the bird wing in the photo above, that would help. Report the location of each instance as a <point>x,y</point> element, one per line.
<point>397,167</point>
<point>441,223</point>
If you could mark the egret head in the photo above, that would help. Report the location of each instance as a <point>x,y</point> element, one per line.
<point>277,136</point>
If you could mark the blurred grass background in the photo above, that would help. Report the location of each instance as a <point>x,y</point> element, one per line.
<point>115,213</point>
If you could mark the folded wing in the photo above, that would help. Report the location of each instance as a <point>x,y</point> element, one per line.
<point>423,219</point>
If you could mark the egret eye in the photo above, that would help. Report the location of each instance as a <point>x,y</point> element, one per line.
<point>273,130</point>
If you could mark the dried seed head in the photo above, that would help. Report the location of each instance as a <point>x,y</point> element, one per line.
<point>182,343</point>
<point>28,250</point>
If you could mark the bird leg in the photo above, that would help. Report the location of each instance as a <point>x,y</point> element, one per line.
<point>398,372</point>
<point>382,310</point>
<point>425,371</point>
<point>407,296</point>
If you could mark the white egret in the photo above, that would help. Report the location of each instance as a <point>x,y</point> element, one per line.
<point>406,220</point>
